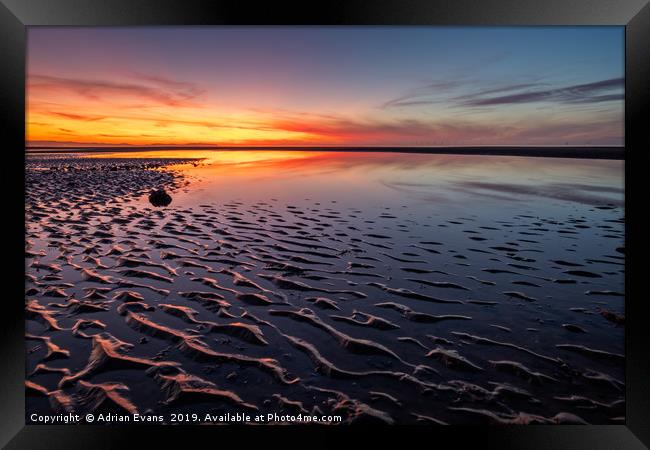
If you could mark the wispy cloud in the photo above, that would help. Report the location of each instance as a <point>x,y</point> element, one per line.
<point>190,89</point>
<point>579,93</point>
<point>159,91</point>
<point>447,93</point>
<point>498,90</point>
<point>73,116</point>
<point>423,95</point>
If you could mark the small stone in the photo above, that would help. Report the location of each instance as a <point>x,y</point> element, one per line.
<point>160,198</point>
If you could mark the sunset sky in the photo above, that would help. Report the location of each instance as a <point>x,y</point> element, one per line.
<point>357,86</point>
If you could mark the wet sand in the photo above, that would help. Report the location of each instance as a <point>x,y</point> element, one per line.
<point>314,307</point>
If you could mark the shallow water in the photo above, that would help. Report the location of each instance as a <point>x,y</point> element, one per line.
<point>387,287</point>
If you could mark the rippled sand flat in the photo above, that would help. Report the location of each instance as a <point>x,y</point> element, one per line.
<point>364,311</point>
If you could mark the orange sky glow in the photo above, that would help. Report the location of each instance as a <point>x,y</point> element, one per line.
<point>322,87</point>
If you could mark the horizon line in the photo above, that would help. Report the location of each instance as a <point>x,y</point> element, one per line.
<point>564,151</point>
<point>215,146</point>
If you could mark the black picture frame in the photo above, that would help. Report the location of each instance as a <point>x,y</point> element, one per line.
<point>16,15</point>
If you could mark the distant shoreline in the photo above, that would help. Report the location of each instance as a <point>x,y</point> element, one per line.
<point>544,152</point>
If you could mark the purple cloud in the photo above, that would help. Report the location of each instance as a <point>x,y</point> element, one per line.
<point>579,93</point>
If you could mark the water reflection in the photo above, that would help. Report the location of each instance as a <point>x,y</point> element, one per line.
<point>397,178</point>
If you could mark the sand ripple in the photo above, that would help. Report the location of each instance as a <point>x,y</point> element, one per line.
<point>314,308</point>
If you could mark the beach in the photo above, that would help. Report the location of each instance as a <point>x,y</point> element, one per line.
<point>379,287</point>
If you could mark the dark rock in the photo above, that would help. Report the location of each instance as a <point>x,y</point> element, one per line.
<point>160,198</point>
